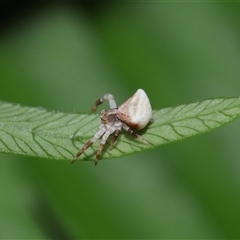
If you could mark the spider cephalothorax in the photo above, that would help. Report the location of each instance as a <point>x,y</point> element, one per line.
<point>135,113</point>
<point>109,116</point>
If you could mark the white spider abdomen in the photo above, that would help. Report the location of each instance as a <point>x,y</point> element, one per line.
<point>136,112</point>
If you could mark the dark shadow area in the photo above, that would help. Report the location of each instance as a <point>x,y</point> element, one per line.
<point>47,220</point>
<point>14,11</point>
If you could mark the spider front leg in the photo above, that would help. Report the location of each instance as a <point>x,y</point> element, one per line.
<point>115,137</point>
<point>128,129</point>
<point>85,147</point>
<point>106,97</point>
<point>101,146</point>
<point>97,135</point>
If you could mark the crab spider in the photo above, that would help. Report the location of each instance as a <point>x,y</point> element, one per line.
<point>135,113</point>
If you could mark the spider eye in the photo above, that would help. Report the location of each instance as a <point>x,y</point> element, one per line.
<point>104,116</point>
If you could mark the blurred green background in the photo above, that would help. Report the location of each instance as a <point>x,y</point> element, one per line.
<point>64,56</point>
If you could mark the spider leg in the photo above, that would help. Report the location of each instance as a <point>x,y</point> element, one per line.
<point>97,135</point>
<point>115,137</point>
<point>101,146</point>
<point>128,129</point>
<point>85,147</point>
<point>106,97</point>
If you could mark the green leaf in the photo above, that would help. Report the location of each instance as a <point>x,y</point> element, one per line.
<point>56,135</point>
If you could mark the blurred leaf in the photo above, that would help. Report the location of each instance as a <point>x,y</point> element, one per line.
<point>41,133</point>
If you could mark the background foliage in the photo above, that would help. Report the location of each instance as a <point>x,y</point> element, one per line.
<point>63,56</point>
